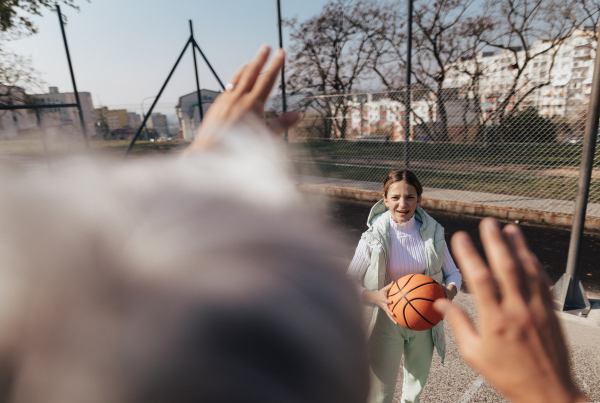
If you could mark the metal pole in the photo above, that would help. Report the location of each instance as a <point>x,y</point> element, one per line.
<point>209,66</point>
<point>144,115</point>
<point>137,133</point>
<point>568,292</point>
<point>64,35</point>
<point>196,70</point>
<point>408,77</point>
<point>283,97</point>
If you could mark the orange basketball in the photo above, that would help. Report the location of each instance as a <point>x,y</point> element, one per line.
<point>412,299</point>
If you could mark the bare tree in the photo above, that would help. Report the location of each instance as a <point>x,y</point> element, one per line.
<point>16,72</point>
<point>590,14</point>
<point>15,16</point>
<point>16,77</point>
<point>471,66</point>
<point>442,36</point>
<point>527,30</point>
<point>330,54</point>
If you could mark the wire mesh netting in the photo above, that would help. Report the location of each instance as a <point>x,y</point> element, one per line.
<point>476,148</point>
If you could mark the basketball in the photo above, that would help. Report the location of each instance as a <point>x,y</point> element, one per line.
<point>412,299</point>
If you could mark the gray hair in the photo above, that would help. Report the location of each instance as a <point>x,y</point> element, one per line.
<point>173,280</point>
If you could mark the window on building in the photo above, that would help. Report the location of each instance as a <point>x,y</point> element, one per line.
<point>576,64</point>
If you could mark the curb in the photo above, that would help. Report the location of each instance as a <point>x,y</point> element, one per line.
<point>476,209</point>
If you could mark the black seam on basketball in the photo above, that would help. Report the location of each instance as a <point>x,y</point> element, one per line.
<point>394,307</point>
<point>408,281</point>
<point>423,299</point>
<point>396,304</point>
<point>391,295</point>
<point>404,314</point>
<point>408,303</point>
<point>397,286</point>
<point>420,285</point>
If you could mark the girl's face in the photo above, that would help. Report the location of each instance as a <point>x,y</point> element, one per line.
<point>402,200</point>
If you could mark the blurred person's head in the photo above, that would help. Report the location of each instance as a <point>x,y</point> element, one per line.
<point>151,283</point>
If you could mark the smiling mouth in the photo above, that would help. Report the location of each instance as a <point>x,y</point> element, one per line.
<point>403,211</point>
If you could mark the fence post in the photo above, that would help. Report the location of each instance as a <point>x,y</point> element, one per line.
<point>208,64</point>
<point>283,97</point>
<point>196,71</point>
<point>64,35</point>
<point>408,77</point>
<point>568,293</point>
<point>137,133</point>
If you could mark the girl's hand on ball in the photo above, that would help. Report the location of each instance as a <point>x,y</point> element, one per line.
<point>519,346</point>
<point>380,299</point>
<point>450,291</point>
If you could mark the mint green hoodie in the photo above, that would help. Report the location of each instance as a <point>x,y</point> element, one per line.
<point>375,276</point>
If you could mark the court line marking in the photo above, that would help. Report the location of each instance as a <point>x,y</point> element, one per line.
<point>472,390</point>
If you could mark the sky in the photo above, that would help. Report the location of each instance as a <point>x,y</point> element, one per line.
<point>123,50</point>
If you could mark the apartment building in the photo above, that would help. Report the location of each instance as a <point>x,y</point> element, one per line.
<point>134,119</point>
<point>188,112</point>
<point>160,123</point>
<point>383,114</point>
<point>114,118</point>
<point>67,119</point>
<point>17,121</point>
<point>568,70</point>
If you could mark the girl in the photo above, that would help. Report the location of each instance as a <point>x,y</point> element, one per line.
<point>401,239</point>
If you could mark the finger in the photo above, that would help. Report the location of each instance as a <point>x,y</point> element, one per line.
<point>249,74</point>
<point>266,81</point>
<point>505,266</point>
<point>476,273</point>
<point>466,335</point>
<point>284,122</point>
<point>387,287</point>
<point>532,269</point>
<point>390,315</point>
<point>235,78</point>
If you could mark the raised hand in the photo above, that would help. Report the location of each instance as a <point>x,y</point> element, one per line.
<point>519,347</point>
<point>248,95</point>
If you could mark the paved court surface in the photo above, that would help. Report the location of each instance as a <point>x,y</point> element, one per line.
<point>455,381</point>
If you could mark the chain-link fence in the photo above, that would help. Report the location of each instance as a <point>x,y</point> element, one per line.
<point>457,141</point>
<point>528,148</point>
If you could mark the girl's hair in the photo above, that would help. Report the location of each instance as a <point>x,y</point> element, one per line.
<point>402,175</point>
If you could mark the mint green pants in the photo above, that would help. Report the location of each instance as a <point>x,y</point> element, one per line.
<point>386,345</point>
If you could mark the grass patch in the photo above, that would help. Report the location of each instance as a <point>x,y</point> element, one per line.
<point>34,148</point>
<point>530,154</point>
